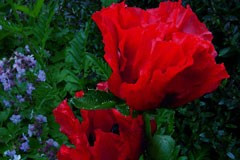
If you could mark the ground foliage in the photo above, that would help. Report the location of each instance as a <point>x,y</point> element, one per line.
<point>68,46</point>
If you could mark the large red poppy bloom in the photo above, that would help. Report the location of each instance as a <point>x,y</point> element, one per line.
<point>102,134</point>
<point>161,56</point>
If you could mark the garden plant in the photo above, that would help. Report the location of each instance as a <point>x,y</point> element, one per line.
<point>119,80</point>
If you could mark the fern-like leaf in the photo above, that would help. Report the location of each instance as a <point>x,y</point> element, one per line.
<point>97,65</point>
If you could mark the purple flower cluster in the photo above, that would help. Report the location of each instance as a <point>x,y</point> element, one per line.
<point>36,128</point>
<point>15,66</point>
<point>6,76</point>
<point>23,62</point>
<point>6,103</point>
<point>30,88</point>
<point>24,145</point>
<point>12,154</point>
<point>41,119</point>
<point>50,149</point>
<point>20,98</point>
<point>15,118</point>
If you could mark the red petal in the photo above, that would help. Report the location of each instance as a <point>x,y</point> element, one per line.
<point>79,94</point>
<point>66,153</point>
<point>202,77</point>
<point>102,86</point>
<point>182,18</point>
<point>131,131</point>
<point>109,146</point>
<point>69,125</point>
<point>153,126</point>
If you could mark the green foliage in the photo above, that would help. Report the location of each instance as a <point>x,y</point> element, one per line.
<point>162,147</point>
<point>165,121</point>
<point>68,47</point>
<point>34,12</point>
<point>107,3</point>
<point>98,66</point>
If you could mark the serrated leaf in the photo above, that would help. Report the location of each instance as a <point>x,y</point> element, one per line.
<point>33,13</point>
<point>37,7</point>
<point>94,100</point>
<point>165,121</point>
<point>76,52</point>
<point>98,66</point>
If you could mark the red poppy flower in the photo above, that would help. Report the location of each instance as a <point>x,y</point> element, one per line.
<point>102,134</point>
<point>161,56</point>
<point>102,86</point>
<point>79,94</point>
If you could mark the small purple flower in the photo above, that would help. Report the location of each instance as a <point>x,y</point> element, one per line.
<point>41,76</point>
<point>30,88</point>
<point>20,98</point>
<point>6,85</point>
<point>24,146</point>
<point>2,62</point>
<point>50,149</point>
<point>41,119</point>
<point>27,48</point>
<point>10,153</point>
<point>35,129</point>
<point>6,103</point>
<point>15,118</point>
<point>31,129</point>
<point>30,61</point>
<point>51,142</point>
<point>21,73</point>
<point>24,137</point>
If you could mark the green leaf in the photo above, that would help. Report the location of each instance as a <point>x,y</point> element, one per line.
<point>106,3</point>
<point>37,7</point>
<point>42,29</point>
<point>123,108</point>
<point>98,66</point>
<point>141,157</point>
<point>4,115</point>
<point>94,100</point>
<point>182,158</point>
<point>33,13</point>
<point>76,52</point>
<point>161,147</point>
<point>10,27</point>
<point>23,8</point>
<point>224,52</point>
<point>165,121</point>
<point>3,132</point>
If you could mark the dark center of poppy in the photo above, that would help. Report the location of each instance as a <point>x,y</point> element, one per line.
<point>115,129</point>
<point>91,139</point>
<point>168,100</point>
